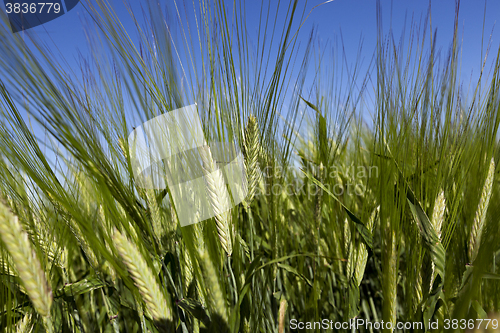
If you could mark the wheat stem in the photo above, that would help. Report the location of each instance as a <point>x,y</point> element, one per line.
<point>390,273</point>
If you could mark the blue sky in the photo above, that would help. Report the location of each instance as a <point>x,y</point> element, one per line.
<point>355,19</point>
<point>349,21</point>
<point>346,21</point>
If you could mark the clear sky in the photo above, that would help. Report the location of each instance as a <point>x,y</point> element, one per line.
<point>336,22</point>
<point>353,20</point>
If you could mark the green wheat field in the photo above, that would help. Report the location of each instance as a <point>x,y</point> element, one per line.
<point>393,219</point>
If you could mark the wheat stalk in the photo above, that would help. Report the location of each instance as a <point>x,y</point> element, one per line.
<point>200,247</point>
<point>390,274</point>
<point>218,197</point>
<point>143,278</point>
<point>89,253</point>
<point>186,262</point>
<point>188,258</point>
<point>28,267</point>
<point>107,266</point>
<point>480,217</point>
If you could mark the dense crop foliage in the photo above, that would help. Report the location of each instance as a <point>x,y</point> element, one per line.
<point>393,220</point>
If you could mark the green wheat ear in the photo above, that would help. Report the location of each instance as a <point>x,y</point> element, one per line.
<point>218,198</point>
<point>143,278</point>
<point>251,157</point>
<point>480,217</point>
<point>215,297</point>
<point>438,213</point>
<point>437,223</point>
<point>26,263</point>
<point>362,252</point>
<point>25,325</point>
<point>282,313</point>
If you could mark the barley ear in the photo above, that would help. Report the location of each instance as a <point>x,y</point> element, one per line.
<point>143,278</point>
<point>480,217</point>
<point>156,218</point>
<point>362,255</point>
<point>218,198</point>
<point>351,262</point>
<point>186,268</point>
<point>319,196</point>
<point>347,236</point>
<point>121,144</point>
<point>282,312</point>
<point>25,325</point>
<point>26,263</point>
<point>215,296</point>
<point>251,157</point>
<point>437,223</point>
<point>438,213</point>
